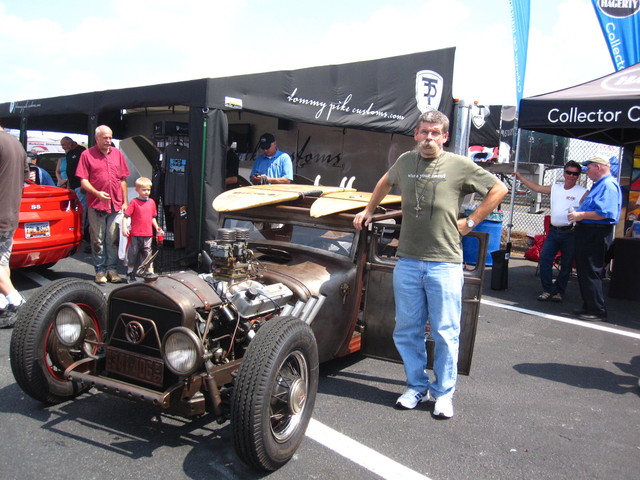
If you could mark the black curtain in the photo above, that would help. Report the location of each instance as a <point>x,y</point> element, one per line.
<point>485,125</point>
<point>208,129</point>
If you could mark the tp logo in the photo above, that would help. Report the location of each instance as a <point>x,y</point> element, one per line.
<point>428,90</point>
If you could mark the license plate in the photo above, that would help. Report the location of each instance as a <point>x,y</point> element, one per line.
<point>138,367</point>
<point>37,230</point>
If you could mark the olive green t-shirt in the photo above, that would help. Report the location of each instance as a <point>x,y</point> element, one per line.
<point>439,184</point>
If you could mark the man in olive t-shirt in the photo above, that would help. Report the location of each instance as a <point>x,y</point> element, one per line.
<point>428,278</point>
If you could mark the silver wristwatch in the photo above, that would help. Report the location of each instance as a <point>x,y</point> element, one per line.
<point>470,223</point>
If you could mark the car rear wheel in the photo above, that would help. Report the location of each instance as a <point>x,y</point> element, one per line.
<point>274,393</point>
<point>38,358</point>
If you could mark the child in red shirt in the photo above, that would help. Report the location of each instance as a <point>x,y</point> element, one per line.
<point>139,223</point>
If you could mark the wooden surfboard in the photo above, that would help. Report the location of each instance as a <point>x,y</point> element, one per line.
<point>259,195</point>
<point>344,201</point>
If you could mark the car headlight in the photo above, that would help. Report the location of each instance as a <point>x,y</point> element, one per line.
<point>182,351</point>
<point>71,324</point>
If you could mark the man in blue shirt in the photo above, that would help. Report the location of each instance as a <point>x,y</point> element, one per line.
<point>38,174</point>
<point>273,166</point>
<point>595,219</point>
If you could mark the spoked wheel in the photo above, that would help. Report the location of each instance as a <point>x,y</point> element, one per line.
<point>289,396</point>
<point>38,358</point>
<point>274,393</point>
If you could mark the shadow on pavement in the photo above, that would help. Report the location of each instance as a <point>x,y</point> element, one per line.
<point>582,377</point>
<point>524,288</point>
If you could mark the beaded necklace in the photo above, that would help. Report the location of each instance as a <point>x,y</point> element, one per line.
<point>433,179</point>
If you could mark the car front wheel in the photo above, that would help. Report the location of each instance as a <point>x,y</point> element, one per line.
<point>38,357</point>
<point>274,393</point>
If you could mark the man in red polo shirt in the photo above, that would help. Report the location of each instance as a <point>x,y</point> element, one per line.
<point>103,172</point>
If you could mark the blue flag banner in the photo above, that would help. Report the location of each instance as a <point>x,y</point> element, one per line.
<point>620,23</point>
<point>520,28</point>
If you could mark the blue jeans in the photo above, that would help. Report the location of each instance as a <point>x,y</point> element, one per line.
<point>104,235</point>
<point>557,241</point>
<point>82,197</point>
<point>433,291</point>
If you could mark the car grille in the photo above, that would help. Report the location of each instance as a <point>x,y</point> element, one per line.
<point>133,348</point>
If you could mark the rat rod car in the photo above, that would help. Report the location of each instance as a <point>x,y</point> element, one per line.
<point>241,342</point>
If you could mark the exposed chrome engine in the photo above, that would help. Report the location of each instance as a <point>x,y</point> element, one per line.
<point>247,302</point>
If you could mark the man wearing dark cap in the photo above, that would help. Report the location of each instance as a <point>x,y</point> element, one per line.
<point>38,174</point>
<point>595,219</point>
<point>564,197</point>
<point>273,166</point>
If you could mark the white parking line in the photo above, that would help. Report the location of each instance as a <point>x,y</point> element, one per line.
<point>579,323</point>
<point>373,461</point>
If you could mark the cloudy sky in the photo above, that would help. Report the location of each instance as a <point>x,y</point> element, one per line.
<point>72,46</point>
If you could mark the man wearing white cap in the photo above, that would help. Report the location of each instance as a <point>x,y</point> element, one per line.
<point>595,219</point>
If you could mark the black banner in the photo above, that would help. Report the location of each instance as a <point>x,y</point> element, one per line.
<point>384,95</point>
<point>485,125</point>
<point>606,110</point>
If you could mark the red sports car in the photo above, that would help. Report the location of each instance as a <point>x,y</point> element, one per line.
<point>49,229</point>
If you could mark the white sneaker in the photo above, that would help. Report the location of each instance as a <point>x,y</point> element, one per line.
<point>444,407</point>
<point>410,399</point>
<point>9,315</point>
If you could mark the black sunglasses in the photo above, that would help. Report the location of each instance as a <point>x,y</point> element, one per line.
<point>575,174</point>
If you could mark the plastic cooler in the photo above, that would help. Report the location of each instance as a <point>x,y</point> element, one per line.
<point>491,225</point>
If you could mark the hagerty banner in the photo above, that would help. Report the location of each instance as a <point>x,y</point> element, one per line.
<point>620,23</point>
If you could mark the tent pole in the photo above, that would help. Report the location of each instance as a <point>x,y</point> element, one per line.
<point>23,132</point>
<point>92,124</point>
<point>203,162</point>
<point>513,184</point>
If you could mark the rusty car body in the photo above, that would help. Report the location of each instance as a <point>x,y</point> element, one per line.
<point>241,341</point>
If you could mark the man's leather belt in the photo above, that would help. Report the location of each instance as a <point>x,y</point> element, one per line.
<point>568,227</point>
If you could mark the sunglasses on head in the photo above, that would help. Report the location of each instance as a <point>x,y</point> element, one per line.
<point>575,174</point>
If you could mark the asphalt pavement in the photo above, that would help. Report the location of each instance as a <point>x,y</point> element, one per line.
<point>548,397</point>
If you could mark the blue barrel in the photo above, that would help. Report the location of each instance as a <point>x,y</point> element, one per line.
<point>493,226</point>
